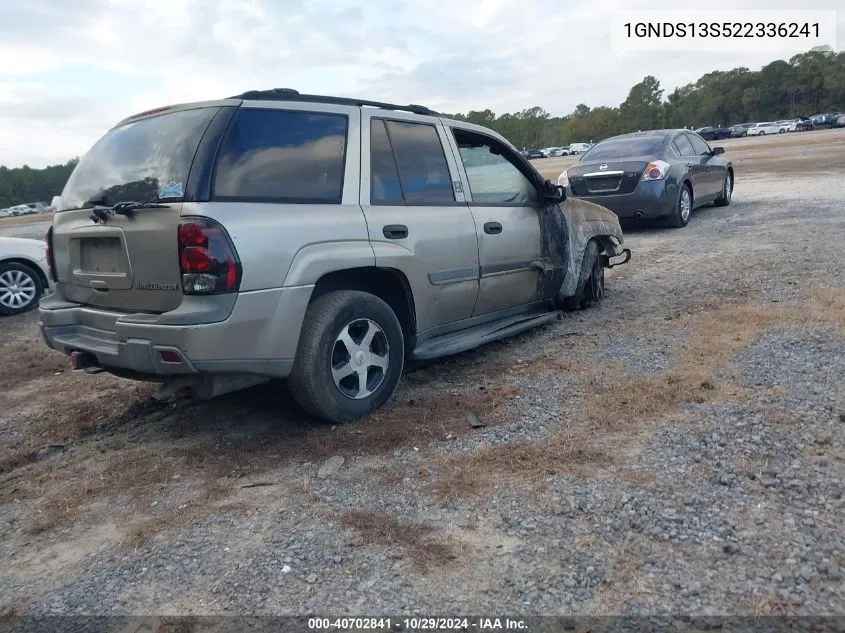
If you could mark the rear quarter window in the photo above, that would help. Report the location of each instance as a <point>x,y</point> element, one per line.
<point>282,156</point>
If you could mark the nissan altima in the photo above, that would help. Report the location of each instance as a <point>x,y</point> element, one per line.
<point>653,174</point>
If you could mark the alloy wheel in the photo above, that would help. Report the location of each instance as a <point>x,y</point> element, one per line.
<point>359,359</point>
<point>17,289</point>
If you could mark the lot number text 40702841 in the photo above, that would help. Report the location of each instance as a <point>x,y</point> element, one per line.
<point>410,625</point>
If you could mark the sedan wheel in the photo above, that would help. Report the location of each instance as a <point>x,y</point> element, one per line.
<point>20,288</point>
<point>727,191</point>
<point>683,210</point>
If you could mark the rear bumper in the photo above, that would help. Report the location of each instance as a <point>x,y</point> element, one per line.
<point>651,199</point>
<point>259,336</point>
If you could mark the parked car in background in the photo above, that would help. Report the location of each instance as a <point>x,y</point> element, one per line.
<point>531,154</point>
<point>823,121</point>
<point>24,274</point>
<point>788,125</point>
<point>713,133</point>
<point>804,125</point>
<point>740,129</point>
<point>761,129</point>
<point>579,148</point>
<point>840,121</point>
<point>653,174</point>
<point>320,239</point>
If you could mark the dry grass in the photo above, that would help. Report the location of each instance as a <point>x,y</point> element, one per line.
<point>26,219</point>
<point>619,404</point>
<point>422,544</point>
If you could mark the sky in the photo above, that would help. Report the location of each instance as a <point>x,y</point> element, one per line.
<point>71,70</point>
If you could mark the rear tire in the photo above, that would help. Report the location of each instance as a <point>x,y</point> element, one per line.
<point>590,288</point>
<point>20,288</point>
<point>727,191</point>
<point>350,356</point>
<point>683,209</point>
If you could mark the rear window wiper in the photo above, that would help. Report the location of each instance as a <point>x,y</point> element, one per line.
<point>126,208</point>
<point>101,213</point>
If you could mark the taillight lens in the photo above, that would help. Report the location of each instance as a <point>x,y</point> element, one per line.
<point>563,179</point>
<point>51,262</point>
<point>207,258</point>
<point>656,170</point>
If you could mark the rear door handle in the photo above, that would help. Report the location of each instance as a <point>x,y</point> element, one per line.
<point>492,228</point>
<point>395,231</point>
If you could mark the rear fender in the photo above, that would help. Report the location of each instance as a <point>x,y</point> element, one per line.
<point>586,221</point>
<point>316,260</point>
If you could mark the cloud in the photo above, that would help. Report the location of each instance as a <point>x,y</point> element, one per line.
<point>70,71</point>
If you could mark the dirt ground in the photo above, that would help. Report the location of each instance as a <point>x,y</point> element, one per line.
<point>112,503</point>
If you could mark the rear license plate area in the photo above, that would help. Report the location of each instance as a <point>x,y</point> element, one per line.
<point>101,255</point>
<point>609,183</point>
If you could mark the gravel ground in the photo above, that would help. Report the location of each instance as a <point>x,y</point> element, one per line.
<point>679,450</point>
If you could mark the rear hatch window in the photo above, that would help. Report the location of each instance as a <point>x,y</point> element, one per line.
<point>141,161</point>
<point>624,148</point>
<point>128,262</point>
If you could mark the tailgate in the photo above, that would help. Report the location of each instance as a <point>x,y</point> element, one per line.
<point>127,263</point>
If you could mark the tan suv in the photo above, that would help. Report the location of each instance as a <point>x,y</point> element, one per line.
<point>216,245</point>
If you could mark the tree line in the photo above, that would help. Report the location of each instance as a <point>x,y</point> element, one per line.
<point>807,84</point>
<point>21,185</point>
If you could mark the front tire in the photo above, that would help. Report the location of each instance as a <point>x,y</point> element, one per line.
<point>350,356</point>
<point>727,191</point>
<point>20,288</point>
<point>683,209</point>
<point>590,288</point>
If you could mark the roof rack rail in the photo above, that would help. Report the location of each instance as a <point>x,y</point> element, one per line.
<point>289,94</point>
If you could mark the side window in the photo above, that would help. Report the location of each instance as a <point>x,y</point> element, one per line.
<point>423,172</point>
<point>493,179</point>
<point>384,175</point>
<point>675,149</point>
<point>282,156</point>
<point>684,146</point>
<point>698,145</point>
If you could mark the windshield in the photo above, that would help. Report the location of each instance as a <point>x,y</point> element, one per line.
<point>624,148</point>
<point>142,161</point>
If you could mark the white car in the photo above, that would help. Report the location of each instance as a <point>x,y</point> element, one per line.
<point>24,274</point>
<point>788,125</point>
<point>761,129</point>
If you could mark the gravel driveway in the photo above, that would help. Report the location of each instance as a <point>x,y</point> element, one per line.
<point>679,450</point>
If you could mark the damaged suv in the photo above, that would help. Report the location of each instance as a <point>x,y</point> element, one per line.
<point>330,241</point>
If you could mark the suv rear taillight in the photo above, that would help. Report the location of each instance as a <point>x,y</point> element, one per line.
<point>51,262</point>
<point>207,258</point>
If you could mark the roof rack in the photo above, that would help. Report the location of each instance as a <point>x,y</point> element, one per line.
<point>289,94</point>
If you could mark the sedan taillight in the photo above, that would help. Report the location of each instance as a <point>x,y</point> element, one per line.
<point>656,170</point>
<point>563,179</point>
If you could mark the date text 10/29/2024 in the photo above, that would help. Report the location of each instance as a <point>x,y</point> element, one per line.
<point>411,625</point>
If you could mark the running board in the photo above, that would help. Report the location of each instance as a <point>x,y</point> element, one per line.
<point>465,340</point>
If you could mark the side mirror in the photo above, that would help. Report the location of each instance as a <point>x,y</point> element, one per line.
<point>718,150</point>
<point>552,192</point>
